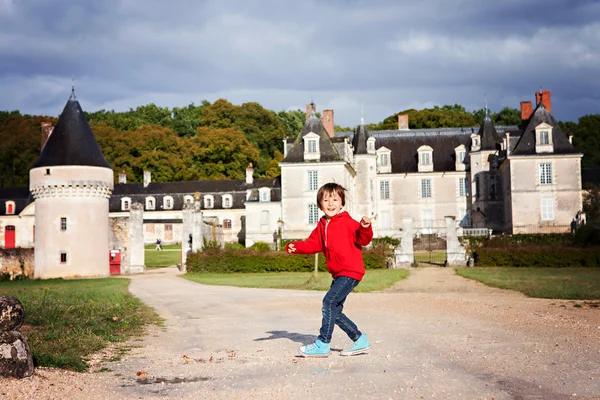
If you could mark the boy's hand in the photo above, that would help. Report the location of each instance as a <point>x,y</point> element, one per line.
<point>291,248</point>
<point>365,222</point>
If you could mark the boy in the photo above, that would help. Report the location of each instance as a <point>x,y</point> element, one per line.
<point>340,238</point>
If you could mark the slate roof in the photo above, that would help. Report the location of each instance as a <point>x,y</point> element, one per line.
<point>490,139</point>
<point>72,141</point>
<point>326,147</point>
<point>178,190</point>
<point>359,141</point>
<point>404,145</point>
<point>526,144</point>
<point>21,196</point>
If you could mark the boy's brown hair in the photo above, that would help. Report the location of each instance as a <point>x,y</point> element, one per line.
<point>330,188</point>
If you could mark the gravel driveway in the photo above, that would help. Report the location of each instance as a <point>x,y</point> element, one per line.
<point>434,335</point>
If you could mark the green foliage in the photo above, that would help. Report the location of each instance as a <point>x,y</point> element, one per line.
<point>556,257</point>
<point>586,138</point>
<point>293,121</point>
<point>261,247</point>
<point>68,320</point>
<point>210,244</point>
<point>528,240</point>
<point>587,235</point>
<point>234,246</point>
<point>386,243</point>
<point>591,206</point>
<point>250,260</point>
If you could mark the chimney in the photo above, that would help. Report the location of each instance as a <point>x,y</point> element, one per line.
<point>122,177</point>
<point>402,122</point>
<point>309,108</point>
<point>525,110</point>
<point>249,172</point>
<point>327,120</point>
<point>545,97</point>
<point>570,137</point>
<point>46,132</point>
<point>147,178</point>
<point>507,140</point>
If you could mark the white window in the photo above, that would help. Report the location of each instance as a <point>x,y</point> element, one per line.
<point>264,218</point>
<point>150,203</point>
<point>384,190</point>
<point>464,218</point>
<point>425,188</point>
<point>545,173</point>
<point>125,203</point>
<point>463,187</point>
<point>462,156</point>
<point>384,220</point>
<point>313,214</point>
<point>425,158</point>
<point>547,208</point>
<point>544,137</point>
<point>227,201</point>
<point>383,160</point>
<point>311,146</point>
<point>208,202</point>
<point>188,199</point>
<point>264,194</point>
<point>313,180</point>
<point>167,203</point>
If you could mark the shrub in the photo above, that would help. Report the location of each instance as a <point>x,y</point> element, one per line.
<point>261,246</point>
<point>234,245</point>
<point>587,235</point>
<point>385,242</point>
<point>250,260</point>
<point>529,239</point>
<point>538,257</point>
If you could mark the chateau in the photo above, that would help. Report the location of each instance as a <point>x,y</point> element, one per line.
<point>504,179</point>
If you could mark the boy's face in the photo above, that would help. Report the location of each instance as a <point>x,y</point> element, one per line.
<point>331,204</point>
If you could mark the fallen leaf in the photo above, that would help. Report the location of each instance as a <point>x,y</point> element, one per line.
<point>141,373</point>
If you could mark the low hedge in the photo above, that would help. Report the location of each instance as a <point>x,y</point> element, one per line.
<point>247,260</point>
<point>538,257</point>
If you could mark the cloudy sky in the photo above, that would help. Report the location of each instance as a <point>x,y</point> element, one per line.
<point>389,55</point>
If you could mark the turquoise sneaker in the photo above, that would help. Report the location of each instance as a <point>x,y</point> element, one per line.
<point>361,346</point>
<point>316,349</point>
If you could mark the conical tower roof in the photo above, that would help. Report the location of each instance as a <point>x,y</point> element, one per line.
<point>72,141</point>
<point>490,139</point>
<point>359,141</point>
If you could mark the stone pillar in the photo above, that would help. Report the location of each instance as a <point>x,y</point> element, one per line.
<point>136,239</point>
<point>405,256</point>
<point>455,252</point>
<point>197,225</point>
<point>187,230</point>
<point>16,360</point>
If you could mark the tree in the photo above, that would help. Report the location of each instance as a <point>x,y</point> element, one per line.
<point>292,121</point>
<point>222,153</point>
<point>187,119</point>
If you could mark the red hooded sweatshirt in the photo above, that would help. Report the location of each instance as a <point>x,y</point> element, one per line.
<point>340,239</point>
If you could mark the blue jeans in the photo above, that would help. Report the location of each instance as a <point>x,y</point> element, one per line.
<point>333,304</point>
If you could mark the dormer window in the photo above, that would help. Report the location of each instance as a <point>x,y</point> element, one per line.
<point>543,138</point>
<point>150,203</point>
<point>167,203</point>
<point>9,207</point>
<point>475,142</point>
<point>384,164</point>
<point>125,203</point>
<point>371,145</point>
<point>425,159</point>
<point>209,202</point>
<point>188,199</point>
<point>264,194</point>
<point>461,157</point>
<point>227,201</point>
<point>311,147</point>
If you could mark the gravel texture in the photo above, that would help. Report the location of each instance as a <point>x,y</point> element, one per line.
<point>434,335</point>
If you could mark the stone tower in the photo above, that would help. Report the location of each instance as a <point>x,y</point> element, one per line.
<point>71,182</point>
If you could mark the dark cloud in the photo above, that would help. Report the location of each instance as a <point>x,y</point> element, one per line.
<point>386,54</point>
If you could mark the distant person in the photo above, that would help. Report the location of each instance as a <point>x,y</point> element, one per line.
<point>158,245</point>
<point>340,238</point>
<point>573,226</point>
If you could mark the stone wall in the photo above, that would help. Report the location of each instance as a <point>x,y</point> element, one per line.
<point>16,264</point>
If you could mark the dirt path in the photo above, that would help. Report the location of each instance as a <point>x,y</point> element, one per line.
<point>435,335</point>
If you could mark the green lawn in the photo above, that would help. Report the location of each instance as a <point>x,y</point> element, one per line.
<point>164,246</point>
<point>549,283</point>
<point>165,258</point>
<point>66,320</point>
<point>375,279</point>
